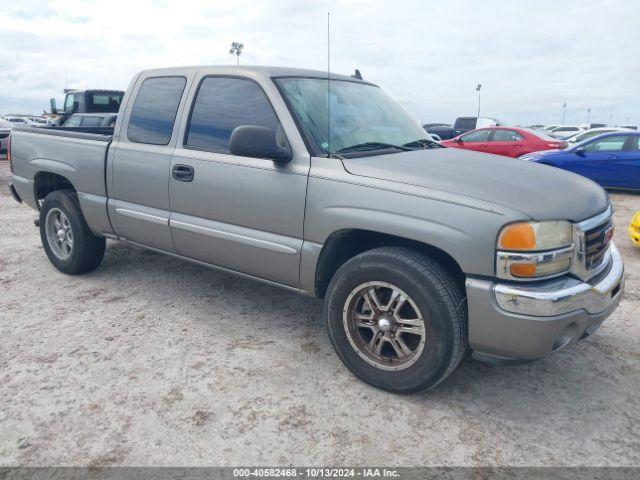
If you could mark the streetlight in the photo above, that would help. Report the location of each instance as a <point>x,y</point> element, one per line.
<point>588,116</point>
<point>478,90</point>
<point>564,112</point>
<point>236,49</point>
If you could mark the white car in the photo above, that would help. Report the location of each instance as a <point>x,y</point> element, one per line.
<point>565,131</point>
<point>586,134</point>
<point>18,121</point>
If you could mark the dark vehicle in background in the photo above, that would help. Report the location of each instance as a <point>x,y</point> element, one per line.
<point>91,120</point>
<point>88,101</point>
<point>611,159</point>
<point>436,130</point>
<point>508,141</point>
<point>5,131</point>
<point>460,126</point>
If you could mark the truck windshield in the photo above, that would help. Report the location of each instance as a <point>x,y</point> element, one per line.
<point>363,117</point>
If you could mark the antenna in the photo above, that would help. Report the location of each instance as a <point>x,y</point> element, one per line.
<point>328,87</point>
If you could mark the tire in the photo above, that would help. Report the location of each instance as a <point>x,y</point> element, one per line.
<point>80,251</point>
<point>436,347</point>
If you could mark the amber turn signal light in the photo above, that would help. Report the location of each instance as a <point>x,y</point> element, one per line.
<point>519,236</point>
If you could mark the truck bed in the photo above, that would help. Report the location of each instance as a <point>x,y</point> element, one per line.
<point>76,153</point>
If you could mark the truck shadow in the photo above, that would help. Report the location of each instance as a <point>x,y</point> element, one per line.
<point>586,377</point>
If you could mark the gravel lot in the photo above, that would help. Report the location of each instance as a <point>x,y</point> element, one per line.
<point>152,361</point>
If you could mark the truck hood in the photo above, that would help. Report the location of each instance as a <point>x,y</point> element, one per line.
<point>538,191</point>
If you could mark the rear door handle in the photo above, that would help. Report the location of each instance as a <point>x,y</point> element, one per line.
<point>182,173</point>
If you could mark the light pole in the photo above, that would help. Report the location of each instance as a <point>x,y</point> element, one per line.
<point>588,116</point>
<point>236,49</point>
<point>478,90</point>
<point>564,112</point>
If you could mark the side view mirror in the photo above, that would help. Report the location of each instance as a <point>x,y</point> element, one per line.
<point>257,142</point>
<point>580,151</point>
<point>52,102</point>
<point>457,140</point>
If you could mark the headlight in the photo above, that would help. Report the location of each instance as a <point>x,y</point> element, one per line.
<point>527,250</point>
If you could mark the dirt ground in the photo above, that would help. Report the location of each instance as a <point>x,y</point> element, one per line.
<point>153,361</point>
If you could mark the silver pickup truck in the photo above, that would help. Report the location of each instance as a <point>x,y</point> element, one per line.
<point>324,186</point>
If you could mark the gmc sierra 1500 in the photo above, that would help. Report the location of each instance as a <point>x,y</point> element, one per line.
<point>326,187</point>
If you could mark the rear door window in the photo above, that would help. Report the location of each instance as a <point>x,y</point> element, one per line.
<point>221,105</point>
<point>91,121</point>
<point>477,136</point>
<point>609,144</point>
<point>506,136</point>
<point>154,110</point>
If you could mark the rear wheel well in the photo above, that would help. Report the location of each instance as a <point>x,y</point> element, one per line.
<point>47,182</point>
<point>343,245</point>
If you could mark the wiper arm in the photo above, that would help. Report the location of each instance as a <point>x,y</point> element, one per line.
<point>423,143</point>
<point>366,146</point>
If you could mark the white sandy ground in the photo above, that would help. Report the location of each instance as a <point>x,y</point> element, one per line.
<point>153,361</point>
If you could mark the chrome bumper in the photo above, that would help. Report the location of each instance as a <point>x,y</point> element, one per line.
<point>564,295</point>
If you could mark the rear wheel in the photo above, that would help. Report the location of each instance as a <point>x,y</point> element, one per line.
<point>66,238</point>
<point>397,319</point>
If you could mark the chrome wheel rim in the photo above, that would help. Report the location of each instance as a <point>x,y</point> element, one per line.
<point>59,233</point>
<point>384,326</point>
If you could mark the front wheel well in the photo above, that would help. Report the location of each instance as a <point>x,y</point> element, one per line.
<point>343,245</point>
<point>47,182</point>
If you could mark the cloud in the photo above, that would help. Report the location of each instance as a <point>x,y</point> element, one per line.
<point>530,58</point>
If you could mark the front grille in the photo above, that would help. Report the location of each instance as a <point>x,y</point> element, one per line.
<point>596,244</point>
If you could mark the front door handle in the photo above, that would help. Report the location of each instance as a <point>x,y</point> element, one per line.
<point>612,157</point>
<point>182,173</point>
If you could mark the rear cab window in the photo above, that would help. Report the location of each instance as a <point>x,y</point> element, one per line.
<point>105,102</point>
<point>154,110</point>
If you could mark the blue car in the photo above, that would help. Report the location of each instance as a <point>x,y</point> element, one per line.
<point>611,159</point>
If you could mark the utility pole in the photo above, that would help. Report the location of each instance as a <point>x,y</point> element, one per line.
<point>588,116</point>
<point>564,112</point>
<point>236,49</point>
<point>478,90</point>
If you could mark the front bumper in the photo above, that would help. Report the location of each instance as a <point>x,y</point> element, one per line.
<point>509,321</point>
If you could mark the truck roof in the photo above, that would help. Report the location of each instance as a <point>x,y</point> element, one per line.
<point>255,71</point>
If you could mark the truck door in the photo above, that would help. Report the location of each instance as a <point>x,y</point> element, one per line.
<point>141,157</point>
<point>244,214</point>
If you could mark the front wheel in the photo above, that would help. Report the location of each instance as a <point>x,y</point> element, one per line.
<point>397,319</point>
<point>66,238</point>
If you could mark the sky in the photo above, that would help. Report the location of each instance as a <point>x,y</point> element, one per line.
<point>530,57</point>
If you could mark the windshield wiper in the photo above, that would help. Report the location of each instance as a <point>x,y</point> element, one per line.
<point>367,146</point>
<point>423,143</point>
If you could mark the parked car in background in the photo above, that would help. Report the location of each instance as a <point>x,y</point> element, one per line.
<point>630,127</point>
<point>508,141</point>
<point>593,132</point>
<point>634,229</point>
<point>611,159</point>
<point>550,127</point>
<point>5,131</point>
<point>460,126</point>
<point>91,120</point>
<point>564,131</point>
<point>18,121</point>
<point>436,130</point>
<point>419,251</point>
<point>88,101</point>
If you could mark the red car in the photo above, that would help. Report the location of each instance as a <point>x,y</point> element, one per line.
<point>509,141</point>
